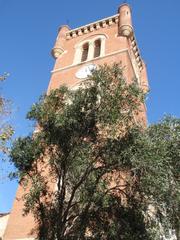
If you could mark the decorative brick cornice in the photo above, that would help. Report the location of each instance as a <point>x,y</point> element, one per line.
<point>92,26</point>
<point>136,52</point>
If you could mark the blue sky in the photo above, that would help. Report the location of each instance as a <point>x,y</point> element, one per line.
<point>28,30</point>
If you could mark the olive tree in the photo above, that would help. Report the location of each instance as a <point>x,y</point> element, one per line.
<point>93,170</point>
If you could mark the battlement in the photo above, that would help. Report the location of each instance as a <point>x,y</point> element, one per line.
<point>92,26</point>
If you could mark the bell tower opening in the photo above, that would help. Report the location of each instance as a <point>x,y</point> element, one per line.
<point>85,50</point>
<point>97,48</point>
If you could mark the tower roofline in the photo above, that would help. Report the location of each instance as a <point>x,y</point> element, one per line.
<point>100,21</point>
<point>93,26</point>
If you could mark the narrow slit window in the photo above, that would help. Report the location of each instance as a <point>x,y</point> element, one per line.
<point>97,48</point>
<point>85,50</point>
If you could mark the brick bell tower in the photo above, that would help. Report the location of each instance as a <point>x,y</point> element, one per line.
<point>76,53</point>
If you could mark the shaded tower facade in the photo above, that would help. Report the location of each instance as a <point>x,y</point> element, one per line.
<point>76,53</point>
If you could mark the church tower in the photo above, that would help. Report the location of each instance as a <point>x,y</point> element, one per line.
<point>108,40</point>
<point>76,52</point>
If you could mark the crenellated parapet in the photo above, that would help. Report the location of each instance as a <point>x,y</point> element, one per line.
<point>92,27</point>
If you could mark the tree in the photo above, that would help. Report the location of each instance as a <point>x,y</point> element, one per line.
<point>6,129</point>
<point>114,178</point>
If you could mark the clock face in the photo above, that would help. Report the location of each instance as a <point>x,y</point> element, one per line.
<point>85,71</point>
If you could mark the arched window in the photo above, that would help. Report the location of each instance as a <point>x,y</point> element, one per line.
<point>85,50</point>
<point>97,48</point>
<point>90,49</point>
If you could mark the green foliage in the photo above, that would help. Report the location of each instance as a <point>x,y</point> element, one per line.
<point>6,130</point>
<point>114,179</point>
<point>25,152</point>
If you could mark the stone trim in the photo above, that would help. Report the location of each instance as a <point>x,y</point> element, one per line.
<point>82,63</point>
<point>92,26</point>
<point>76,85</point>
<point>108,55</point>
